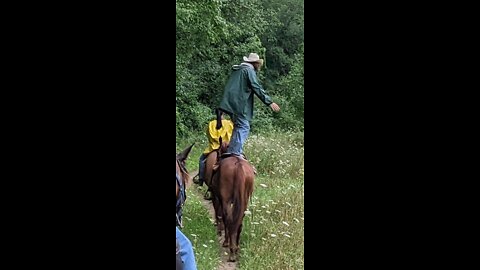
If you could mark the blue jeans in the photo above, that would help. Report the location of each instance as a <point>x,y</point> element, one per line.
<point>186,251</point>
<point>241,129</point>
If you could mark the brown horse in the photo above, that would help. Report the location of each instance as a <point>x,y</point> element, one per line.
<point>232,187</point>
<point>183,180</point>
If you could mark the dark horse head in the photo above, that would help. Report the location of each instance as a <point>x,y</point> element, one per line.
<point>182,179</point>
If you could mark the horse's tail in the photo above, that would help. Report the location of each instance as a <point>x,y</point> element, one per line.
<point>238,198</point>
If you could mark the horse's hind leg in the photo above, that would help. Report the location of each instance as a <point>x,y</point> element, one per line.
<point>238,237</point>
<point>218,218</point>
<point>233,235</point>
<point>226,223</point>
<point>220,226</point>
<point>226,242</point>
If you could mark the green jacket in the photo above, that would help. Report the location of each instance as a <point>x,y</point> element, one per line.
<point>238,94</point>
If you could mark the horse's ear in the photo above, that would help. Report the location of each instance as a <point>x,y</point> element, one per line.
<point>184,154</point>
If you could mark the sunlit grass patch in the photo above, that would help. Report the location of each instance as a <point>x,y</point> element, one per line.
<point>273,231</point>
<point>199,229</point>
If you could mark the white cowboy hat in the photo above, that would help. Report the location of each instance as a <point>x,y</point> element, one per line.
<point>253,58</point>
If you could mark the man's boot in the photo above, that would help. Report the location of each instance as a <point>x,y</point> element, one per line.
<point>197,180</point>
<point>208,195</point>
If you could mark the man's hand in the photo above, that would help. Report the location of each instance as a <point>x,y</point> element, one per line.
<point>275,107</point>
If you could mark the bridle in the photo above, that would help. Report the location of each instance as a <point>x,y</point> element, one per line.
<point>182,195</point>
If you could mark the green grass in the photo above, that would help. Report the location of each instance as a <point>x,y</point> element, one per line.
<point>199,229</point>
<point>272,236</point>
<point>198,226</point>
<point>273,232</point>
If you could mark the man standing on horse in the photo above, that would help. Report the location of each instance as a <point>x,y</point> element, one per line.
<point>238,100</point>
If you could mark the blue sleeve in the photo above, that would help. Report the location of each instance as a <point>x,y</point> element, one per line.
<point>186,251</point>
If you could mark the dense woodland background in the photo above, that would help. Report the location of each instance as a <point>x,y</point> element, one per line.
<point>213,35</point>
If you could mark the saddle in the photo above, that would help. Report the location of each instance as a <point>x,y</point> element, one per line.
<point>227,155</point>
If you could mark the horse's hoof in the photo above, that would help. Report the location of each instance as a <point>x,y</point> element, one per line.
<point>232,258</point>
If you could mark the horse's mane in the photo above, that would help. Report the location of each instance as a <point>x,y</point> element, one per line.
<point>181,169</point>
<point>183,173</point>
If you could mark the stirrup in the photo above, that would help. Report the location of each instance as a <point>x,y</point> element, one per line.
<point>208,195</point>
<point>197,181</point>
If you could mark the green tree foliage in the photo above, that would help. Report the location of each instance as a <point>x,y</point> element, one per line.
<point>213,35</point>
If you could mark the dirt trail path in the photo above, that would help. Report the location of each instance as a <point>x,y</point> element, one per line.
<point>225,264</point>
